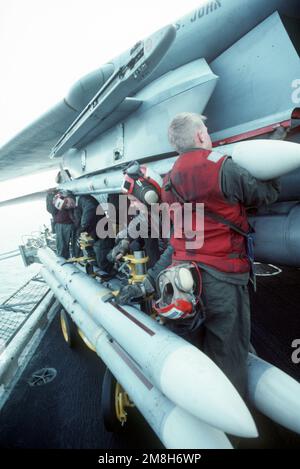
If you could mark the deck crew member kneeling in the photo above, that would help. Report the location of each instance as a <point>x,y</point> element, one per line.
<point>201,175</point>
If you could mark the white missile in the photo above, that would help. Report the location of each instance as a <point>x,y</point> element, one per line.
<point>276,237</point>
<point>265,159</point>
<point>175,427</point>
<point>182,372</point>
<point>274,393</point>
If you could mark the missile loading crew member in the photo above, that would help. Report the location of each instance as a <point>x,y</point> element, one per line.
<point>142,185</point>
<point>226,189</point>
<point>203,176</point>
<point>103,246</point>
<point>62,223</point>
<point>85,219</point>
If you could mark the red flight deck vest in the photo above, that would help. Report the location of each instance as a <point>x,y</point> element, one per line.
<point>196,176</point>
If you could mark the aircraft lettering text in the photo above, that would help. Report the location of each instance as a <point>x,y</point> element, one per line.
<point>210,7</point>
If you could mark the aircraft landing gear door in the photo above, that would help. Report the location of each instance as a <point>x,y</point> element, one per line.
<point>115,404</point>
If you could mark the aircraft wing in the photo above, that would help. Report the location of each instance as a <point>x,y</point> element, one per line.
<point>254,44</point>
<point>37,196</point>
<point>28,152</point>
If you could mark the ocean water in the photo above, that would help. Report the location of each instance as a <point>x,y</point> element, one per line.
<point>17,221</point>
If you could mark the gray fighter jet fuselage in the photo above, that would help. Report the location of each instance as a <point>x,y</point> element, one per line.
<point>234,61</point>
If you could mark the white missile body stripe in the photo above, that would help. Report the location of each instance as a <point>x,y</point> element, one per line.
<point>181,371</point>
<point>274,393</point>
<point>175,427</point>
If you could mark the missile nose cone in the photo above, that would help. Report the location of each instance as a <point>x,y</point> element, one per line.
<point>195,383</point>
<point>274,393</point>
<point>194,433</point>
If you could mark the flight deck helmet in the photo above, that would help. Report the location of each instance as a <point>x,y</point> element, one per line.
<point>64,201</point>
<point>142,182</point>
<point>178,286</point>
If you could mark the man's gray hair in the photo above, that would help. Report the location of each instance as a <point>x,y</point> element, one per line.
<point>182,130</point>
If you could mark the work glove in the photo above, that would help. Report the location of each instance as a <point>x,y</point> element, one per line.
<point>118,251</point>
<point>135,293</point>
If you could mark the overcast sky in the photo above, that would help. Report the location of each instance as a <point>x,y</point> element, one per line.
<point>47,45</point>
